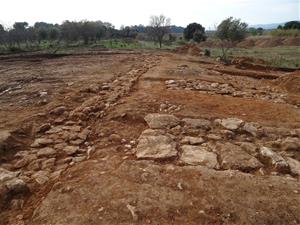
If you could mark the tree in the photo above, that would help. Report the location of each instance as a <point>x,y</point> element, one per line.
<point>53,34</point>
<point>158,28</point>
<point>260,31</point>
<point>42,34</point>
<point>194,31</point>
<point>292,25</point>
<point>2,34</point>
<point>230,32</point>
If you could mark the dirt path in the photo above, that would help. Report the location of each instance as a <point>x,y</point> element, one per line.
<point>160,139</point>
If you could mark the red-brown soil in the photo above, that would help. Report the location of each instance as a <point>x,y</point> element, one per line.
<point>109,94</point>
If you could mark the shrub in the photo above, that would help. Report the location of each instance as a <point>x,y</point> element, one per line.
<point>207,52</point>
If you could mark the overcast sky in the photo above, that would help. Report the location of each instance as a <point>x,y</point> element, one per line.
<point>131,12</point>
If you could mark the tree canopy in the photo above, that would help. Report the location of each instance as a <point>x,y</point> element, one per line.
<point>194,31</point>
<point>159,26</point>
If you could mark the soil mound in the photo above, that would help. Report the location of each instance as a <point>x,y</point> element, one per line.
<point>261,42</point>
<point>190,49</point>
<point>290,82</point>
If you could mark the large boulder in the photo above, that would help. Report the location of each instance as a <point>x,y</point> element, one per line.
<point>155,147</point>
<point>198,155</point>
<point>233,157</point>
<point>157,121</point>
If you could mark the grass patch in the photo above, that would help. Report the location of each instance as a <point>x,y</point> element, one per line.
<point>283,57</point>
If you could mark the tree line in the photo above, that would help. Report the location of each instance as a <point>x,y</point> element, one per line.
<point>158,30</point>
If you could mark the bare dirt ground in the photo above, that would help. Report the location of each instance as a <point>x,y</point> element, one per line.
<point>144,137</point>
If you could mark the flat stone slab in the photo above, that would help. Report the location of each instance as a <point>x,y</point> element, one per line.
<point>155,147</point>
<point>157,121</point>
<point>198,155</point>
<point>234,157</point>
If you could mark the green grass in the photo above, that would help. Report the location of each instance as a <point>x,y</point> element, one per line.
<point>121,44</point>
<point>283,57</point>
<point>285,33</point>
<point>75,46</point>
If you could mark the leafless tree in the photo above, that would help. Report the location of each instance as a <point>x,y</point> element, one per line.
<point>159,26</point>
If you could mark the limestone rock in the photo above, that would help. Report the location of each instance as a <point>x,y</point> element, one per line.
<point>4,136</point>
<point>41,177</point>
<point>273,159</point>
<point>43,128</point>
<point>10,184</point>
<point>155,147</point>
<point>198,155</point>
<point>71,150</point>
<point>197,123</point>
<point>192,140</point>
<point>233,157</point>
<point>40,142</point>
<point>231,123</point>
<point>291,144</point>
<point>46,152</point>
<point>58,111</point>
<point>250,128</point>
<point>156,120</point>
<point>294,166</point>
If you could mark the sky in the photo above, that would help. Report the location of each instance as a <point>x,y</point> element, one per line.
<point>132,12</point>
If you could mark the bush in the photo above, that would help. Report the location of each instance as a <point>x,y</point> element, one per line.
<point>207,52</point>
<point>285,33</point>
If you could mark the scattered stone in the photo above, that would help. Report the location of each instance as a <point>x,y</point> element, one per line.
<point>250,128</point>
<point>214,137</point>
<point>71,150</point>
<point>291,143</point>
<point>250,148</point>
<point>43,128</point>
<point>10,184</point>
<point>78,159</point>
<point>233,157</point>
<point>58,111</point>
<point>294,166</point>
<point>48,164</point>
<point>41,142</point>
<point>192,140</point>
<point>46,152</point>
<point>4,136</point>
<point>231,123</point>
<point>21,163</point>
<point>77,142</point>
<point>198,155</point>
<point>41,177</point>
<point>155,147</point>
<point>16,185</point>
<point>133,212</point>
<point>115,138</point>
<point>157,121</point>
<point>273,159</point>
<point>197,123</point>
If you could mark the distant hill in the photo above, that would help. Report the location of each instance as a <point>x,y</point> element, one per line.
<point>176,29</point>
<point>269,26</point>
